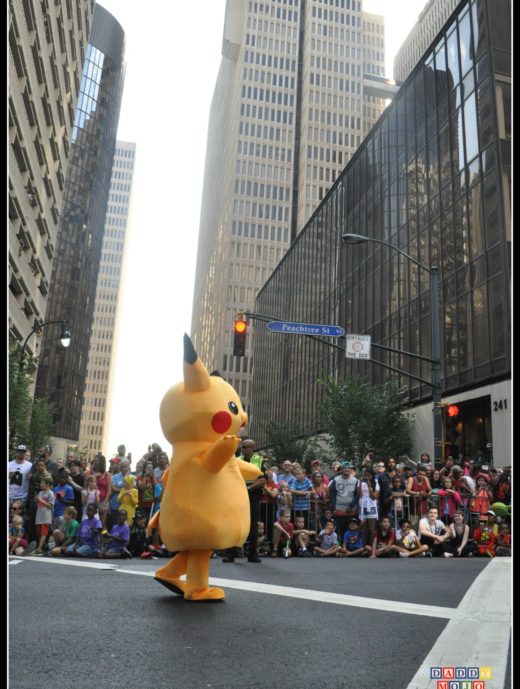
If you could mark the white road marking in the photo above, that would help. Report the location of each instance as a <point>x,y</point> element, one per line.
<point>324,596</point>
<point>14,562</point>
<point>70,563</point>
<point>478,634</point>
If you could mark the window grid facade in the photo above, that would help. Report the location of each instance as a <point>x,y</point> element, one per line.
<point>95,413</point>
<point>47,44</point>
<point>430,21</point>
<point>287,114</point>
<point>61,373</point>
<point>432,178</point>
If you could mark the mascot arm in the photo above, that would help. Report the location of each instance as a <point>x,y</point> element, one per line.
<point>219,454</point>
<point>249,471</point>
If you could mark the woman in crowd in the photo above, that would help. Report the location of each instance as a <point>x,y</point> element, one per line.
<point>146,486</point>
<point>368,514</point>
<point>458,545</point>
<point>98,468</point>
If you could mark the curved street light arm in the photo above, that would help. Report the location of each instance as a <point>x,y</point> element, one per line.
<point>35,330</point>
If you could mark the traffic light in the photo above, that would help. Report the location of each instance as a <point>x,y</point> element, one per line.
<point>239,338</point>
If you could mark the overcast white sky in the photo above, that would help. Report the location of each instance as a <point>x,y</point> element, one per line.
<point>172,60</point>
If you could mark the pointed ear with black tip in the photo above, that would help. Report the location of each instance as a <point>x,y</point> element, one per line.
<point>196,377</point>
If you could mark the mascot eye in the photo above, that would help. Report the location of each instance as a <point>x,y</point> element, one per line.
<point>233,408</point>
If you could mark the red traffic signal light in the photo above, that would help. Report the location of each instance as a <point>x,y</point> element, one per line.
<point>453,410</point>
<point>239,338</point>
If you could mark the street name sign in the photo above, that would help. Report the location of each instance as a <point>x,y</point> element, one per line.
<point>305,329</point>
<point>357,347</point>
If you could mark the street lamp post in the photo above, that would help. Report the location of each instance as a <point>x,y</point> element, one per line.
<point>433,271</point>
<point>64,339</point>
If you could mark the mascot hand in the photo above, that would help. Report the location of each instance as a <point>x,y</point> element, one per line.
<point>249,471</point>
<point>219,454</point>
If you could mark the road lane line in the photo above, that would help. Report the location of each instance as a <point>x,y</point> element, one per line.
<point>478,634</point>
<point>325,597</point>
<point>69,563</point>
<point>288,591</point>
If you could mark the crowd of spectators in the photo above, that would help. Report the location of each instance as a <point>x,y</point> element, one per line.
<point>83,508</point>
<point>380,508</point>
<point>383,508</point>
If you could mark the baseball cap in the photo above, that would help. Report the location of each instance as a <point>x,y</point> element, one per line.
<point>22,448</point>
<point>315,461</point>
<point>345,465</point>
<point>491,512</point>
<point>116,460</point>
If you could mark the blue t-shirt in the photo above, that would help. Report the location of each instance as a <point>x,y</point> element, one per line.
<point>87,532</point>
<point>122,532</point>
<point>288,478</point>
<point>67,493</point>
<point>353,540</point>
<point>300,502</point>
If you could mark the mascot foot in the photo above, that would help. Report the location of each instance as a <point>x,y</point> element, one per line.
<point>206,594</point>
<point>173,584</point>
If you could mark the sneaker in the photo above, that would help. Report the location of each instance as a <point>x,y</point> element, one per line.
<point>274,554</point>
<point>37,553</point>
<point>300,553</point>
<point>127,553</point>
<point>228,559</point>
<point>30,548</point>
<point>254,559</point>
<point>428,554</point>
<point>306,553</point>
<point>316,554</point>
<point>365,554</point>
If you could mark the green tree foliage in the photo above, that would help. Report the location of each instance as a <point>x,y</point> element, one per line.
<point>285,441</point>
<point>360,416</point>
<point>30,422</point>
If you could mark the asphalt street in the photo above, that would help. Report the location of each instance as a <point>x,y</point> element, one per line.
<point>298,623</point>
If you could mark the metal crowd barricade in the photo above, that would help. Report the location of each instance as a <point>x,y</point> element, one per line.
<point>413,508</point>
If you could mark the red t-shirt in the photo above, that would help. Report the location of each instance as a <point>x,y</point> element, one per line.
<point>289,527</point>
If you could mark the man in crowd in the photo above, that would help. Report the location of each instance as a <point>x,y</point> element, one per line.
<point>254,489</point>
<point>344,497</point>
<point>19,470</point>
<point>385,488</point>
<point>51,466</point>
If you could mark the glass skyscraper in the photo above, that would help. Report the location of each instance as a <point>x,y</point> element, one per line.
<point>432,178</point>
<point>61,373</point>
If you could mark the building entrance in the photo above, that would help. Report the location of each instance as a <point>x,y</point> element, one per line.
<point>467,429</point>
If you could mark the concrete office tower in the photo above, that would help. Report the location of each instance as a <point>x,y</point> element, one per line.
<point>47,43</point>
<point>95,414</point>
<point>288,112</point>
<point>61,373</point>
<point>430,21</point>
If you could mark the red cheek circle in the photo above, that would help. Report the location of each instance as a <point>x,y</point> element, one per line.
<point>221,422</point>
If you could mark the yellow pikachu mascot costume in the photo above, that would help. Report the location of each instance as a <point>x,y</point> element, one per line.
<point>205,505</point>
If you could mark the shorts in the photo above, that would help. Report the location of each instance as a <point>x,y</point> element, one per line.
<point>22,544</point>
<point>42,529</point>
